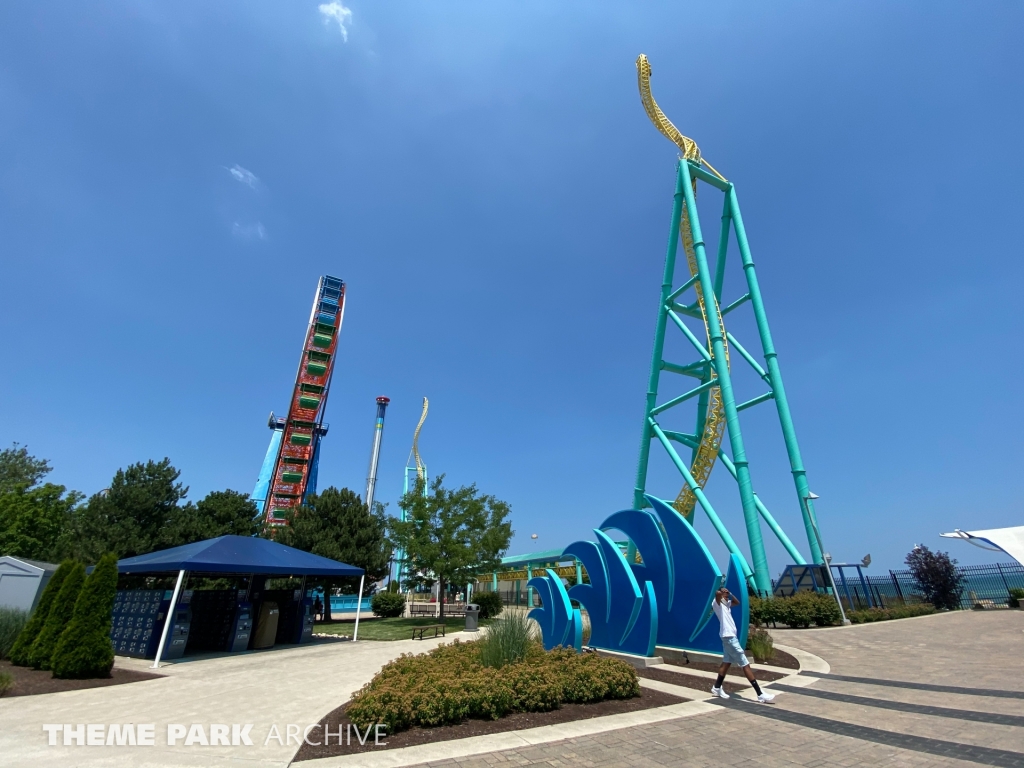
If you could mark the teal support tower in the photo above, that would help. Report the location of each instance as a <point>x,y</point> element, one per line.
<point>715,349</point>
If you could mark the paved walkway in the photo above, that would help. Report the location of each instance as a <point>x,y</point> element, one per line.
<point>279,687</point>
<point>968,708</point>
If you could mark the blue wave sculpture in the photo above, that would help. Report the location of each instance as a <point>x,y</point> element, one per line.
<point>671,608</point>
<point>560,623</point>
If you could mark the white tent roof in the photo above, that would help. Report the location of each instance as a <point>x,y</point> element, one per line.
<point>1008,540</point>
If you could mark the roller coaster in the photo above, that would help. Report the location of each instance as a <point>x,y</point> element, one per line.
<point>717,409</point>
<point>289,473</point>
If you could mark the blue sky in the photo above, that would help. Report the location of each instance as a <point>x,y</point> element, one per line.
<point>175,177</point>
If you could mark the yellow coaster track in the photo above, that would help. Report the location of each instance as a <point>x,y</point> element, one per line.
<point>420,469</point>
<point>714,416</point>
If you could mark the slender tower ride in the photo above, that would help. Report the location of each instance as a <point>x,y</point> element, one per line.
<point>718,411</point>
<point>289,473</point>
<point>378,436</point>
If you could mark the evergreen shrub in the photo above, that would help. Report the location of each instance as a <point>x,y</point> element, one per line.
<point>1016,595</point>
<point>799,611</point>
<point>424,691</point>
<point>490,604</point>
<point>19,651</point>
<point>61,611</point>
<point>84,649</point>
<point>12,622</point>
<point>388,605</point>
<point>895,612</point>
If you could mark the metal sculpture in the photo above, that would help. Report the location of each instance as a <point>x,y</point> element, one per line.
<point>717,409</point>
<point>664,599</point>
<point>289,473</point>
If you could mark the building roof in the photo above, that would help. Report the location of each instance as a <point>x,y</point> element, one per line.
<point>35,563</point>
<point>237,554</point>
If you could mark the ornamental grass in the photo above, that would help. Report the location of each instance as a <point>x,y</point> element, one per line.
<point>450,684</point>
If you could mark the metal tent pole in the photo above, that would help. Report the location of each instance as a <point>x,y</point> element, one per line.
<point>359,604</point>
<point>168,621</point>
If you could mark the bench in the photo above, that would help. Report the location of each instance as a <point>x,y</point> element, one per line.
<point>424,628</point>
<point>422,609</point>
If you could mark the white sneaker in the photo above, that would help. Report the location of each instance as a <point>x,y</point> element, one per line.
<point>766,698</point>
<point>720,693</point>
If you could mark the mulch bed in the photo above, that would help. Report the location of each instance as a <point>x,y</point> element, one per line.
<point>515,722</point>
<point>688,681</point>
<point>29,682</point>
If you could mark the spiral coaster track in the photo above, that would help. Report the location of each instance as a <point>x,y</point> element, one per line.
<point>717,410</point>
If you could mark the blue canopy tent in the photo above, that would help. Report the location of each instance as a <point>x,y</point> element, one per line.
<point>235,554</point>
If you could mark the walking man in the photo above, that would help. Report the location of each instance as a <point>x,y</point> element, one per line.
<point>732,653</point>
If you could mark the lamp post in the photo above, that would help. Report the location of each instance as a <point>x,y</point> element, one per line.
<point>828,564</point>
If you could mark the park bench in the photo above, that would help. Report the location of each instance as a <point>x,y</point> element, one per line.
<point>424,628</point>
<point>423,609</point>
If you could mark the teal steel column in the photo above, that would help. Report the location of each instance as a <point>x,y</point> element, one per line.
<point>529,589</point>
<point>494,581</point>
<point>579,573</point>
<point>775,375</point>
<point>639,502</point>
<point>762,579</point>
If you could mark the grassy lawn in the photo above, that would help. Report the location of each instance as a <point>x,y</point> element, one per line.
<point>391,629</point>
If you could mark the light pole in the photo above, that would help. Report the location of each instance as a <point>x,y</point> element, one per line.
<point>828,564</point>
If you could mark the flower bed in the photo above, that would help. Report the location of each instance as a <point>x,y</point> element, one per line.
<point>450,684</point>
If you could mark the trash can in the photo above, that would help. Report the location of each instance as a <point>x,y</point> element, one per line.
<point>472,618</point>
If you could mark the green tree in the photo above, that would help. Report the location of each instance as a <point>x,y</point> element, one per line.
<point>20,470</point>
<point>33,521</point>
<point>936,576</point>
<point>60,614</point>
<point>129,517</point>
<point>337,524</point>
<point>221,513</point>
<point>84,649</point>
<point>19,654</point>
<point>450,535</point>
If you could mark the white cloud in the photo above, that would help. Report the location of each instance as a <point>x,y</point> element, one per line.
<point>249,231</point>
<point>335,11</point>
<point>245,176</point>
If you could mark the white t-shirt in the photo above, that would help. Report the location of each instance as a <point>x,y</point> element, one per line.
<point>728,626</point>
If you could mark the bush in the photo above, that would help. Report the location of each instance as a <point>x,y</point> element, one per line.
<point>6,681</point>
<point>896,612</point>
<point>84,649</point>
<point>61,611</point>
<point>760,644</point>
<point>422,690</point>
<point>490,604</point>
<point>19,651</point>
<point>936,575</point>
<point>388,604</point>
<point>805,608</point>
<point>1016,595</point>
<point>763,611</point>
<point>507,641</point>
<point>12,622</point>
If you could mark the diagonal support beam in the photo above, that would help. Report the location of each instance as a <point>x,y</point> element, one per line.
<point>679,291</point>
<point>701,498</point>
<point>689,335</point>
<point>684,397</point>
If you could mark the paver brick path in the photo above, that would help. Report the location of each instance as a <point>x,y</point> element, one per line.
<point>879,723</point>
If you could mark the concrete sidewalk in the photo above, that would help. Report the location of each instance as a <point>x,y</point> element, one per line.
<point>296,686</point>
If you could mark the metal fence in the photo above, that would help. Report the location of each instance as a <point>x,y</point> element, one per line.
<point>985,585</point>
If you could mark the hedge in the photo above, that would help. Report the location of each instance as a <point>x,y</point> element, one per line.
<point>896,612</point>
<point>19,653</point>
<point>388,604</point>
<point>490,604</point>
<point>449,684</point>
<point>84,649</point>
<point>61,611</point>
<point>801,610</point>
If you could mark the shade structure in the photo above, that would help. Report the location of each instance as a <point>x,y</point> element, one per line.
<point>237,554</point>
<point>1008,540</point>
